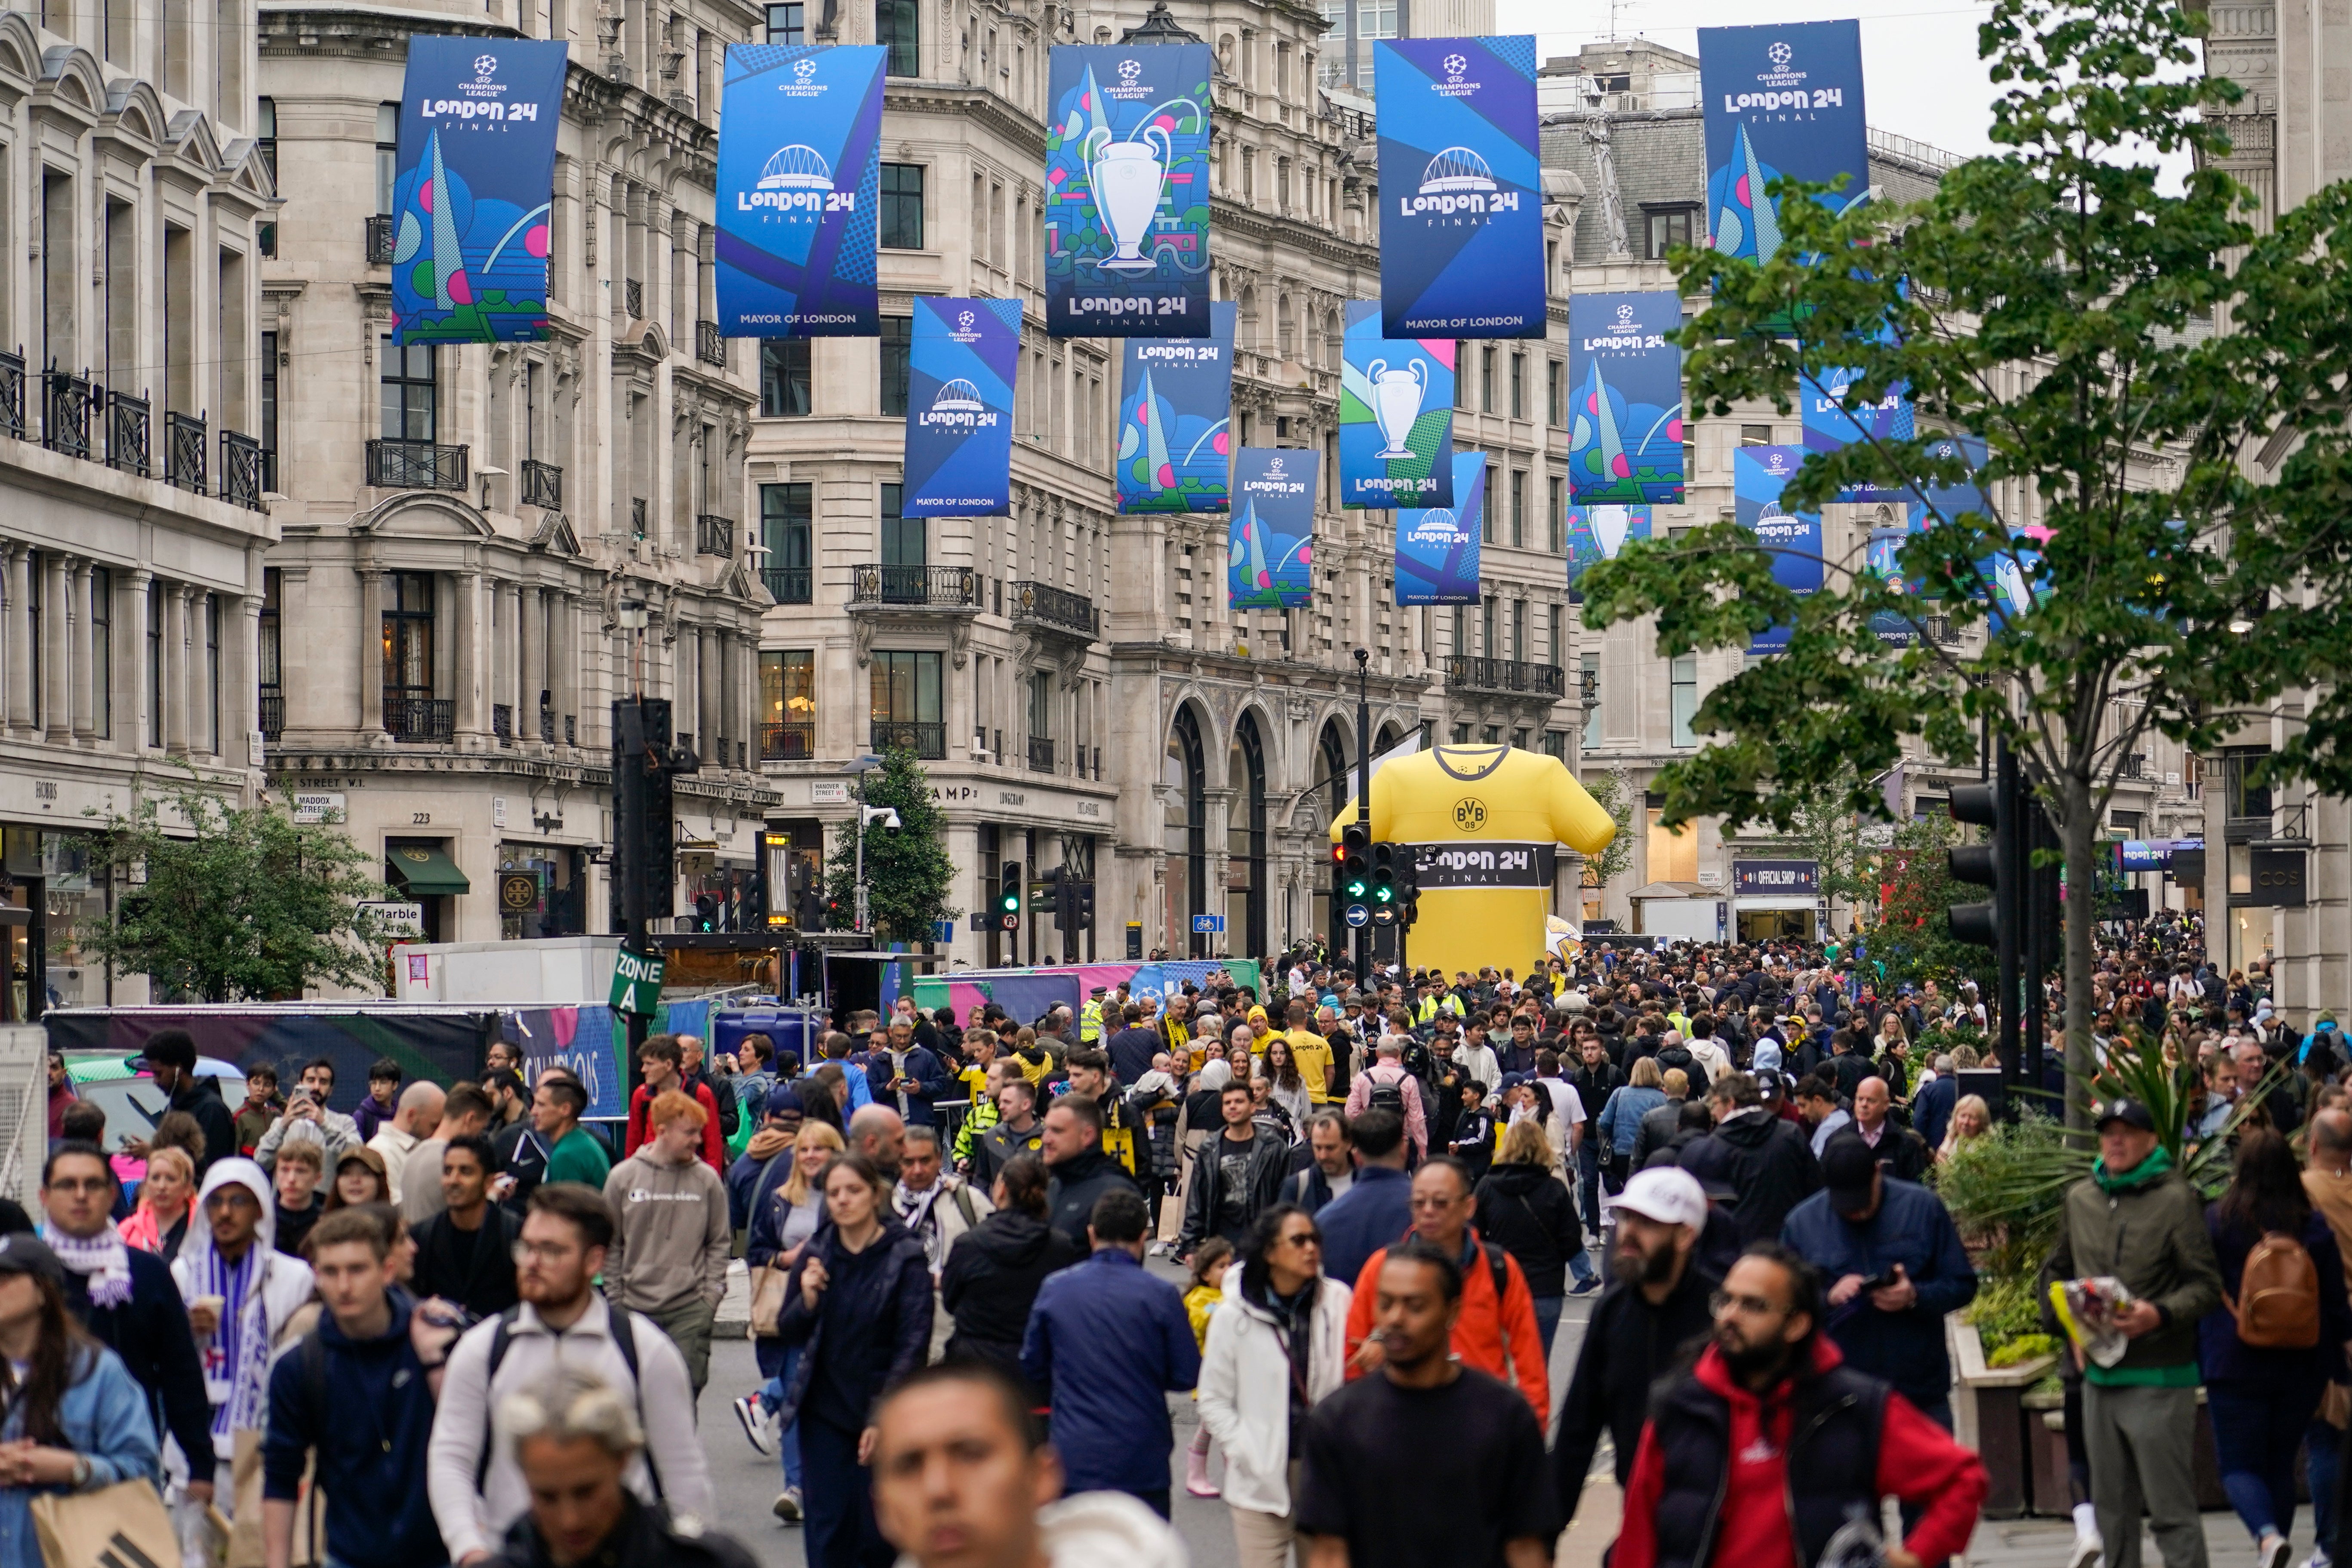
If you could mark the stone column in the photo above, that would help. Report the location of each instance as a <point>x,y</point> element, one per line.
<point>534,660</point>
<point>57,660</point>
<point>736,723</point>
<point>136,700</point>
<point>563,669</point>
<point>505,675</point>
<point>85,696</point>
<point>467,676</point>
<point>241,671</point>
<point>708,725</point>
<point>372,671</point>
<point>17,595</point>
<point>174,695</point>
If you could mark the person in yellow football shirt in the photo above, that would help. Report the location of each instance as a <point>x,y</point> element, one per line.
<point>1312,1052</point>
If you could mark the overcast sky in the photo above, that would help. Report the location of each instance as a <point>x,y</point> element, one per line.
<point>1919,61</point>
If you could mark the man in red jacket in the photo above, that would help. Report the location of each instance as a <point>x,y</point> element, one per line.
<point>660,1060</point>
<point>1767,1448</point>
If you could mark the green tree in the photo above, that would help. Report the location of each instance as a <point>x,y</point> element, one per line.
<point>1911,939</point>
<point>1613,793</point>
<point>907,869</point>
<point>1826,831</point>
<point>2165,499</point>
<point>245,904</point>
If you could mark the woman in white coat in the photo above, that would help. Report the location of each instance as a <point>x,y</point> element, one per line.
<point>1278,1343</point>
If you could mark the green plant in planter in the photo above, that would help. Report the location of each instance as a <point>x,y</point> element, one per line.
<point>2022,1349</point>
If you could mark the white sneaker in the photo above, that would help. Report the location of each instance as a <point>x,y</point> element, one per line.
<point>759,1427</point>
<point>2088,1549</point>
<point>788,1505</point>
<point>2319,1559</point>
<point>2273,1553</point>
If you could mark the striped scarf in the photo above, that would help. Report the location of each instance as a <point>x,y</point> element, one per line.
<point>237,1359</point>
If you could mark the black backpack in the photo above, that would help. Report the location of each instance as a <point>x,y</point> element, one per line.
<point>1386,1094</point>
<point>625,1340</point>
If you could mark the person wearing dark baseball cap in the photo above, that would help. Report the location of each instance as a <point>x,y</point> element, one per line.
<point>1894,1264</point>
<point>2135,1219</point>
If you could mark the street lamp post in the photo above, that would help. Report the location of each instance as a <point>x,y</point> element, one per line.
<point>862,913</point>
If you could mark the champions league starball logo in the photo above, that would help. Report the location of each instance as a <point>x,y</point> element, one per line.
<point>1454,66</point>
<point>1625,318</point>
<point>804,69</point>
<point>964,319</point>
<point>484,66</point>
<point>1274,469</point>
<point>1128,70</point>
<point>1779,54</point>
<point>1777,465</point>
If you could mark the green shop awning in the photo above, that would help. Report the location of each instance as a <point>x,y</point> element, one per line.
<point>425,873</point>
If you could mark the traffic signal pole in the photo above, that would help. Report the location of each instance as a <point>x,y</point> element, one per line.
<point>2015,858</point>
<point>1363,796</point>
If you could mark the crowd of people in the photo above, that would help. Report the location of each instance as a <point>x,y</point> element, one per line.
<point>989,1258</point>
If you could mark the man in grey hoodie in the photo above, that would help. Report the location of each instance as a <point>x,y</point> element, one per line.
<point>670,1236</point>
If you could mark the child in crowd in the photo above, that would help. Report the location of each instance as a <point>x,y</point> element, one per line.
<point>263,1105</point>
<point>1210,1261</point>
<point>382,1098</point>
<point>1474,1133</point>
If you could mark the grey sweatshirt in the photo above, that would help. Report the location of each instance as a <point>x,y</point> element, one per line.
<point>671,1235</point>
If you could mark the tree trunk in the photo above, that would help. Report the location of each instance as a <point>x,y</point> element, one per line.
<point>2076,834</point>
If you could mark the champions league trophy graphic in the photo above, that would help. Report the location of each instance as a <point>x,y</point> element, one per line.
<point>1396,404</point>
<point>1126,178</point>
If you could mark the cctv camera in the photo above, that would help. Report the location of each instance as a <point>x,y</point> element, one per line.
<point>890,820</point>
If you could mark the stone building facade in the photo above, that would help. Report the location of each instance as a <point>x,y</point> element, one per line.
<point>135,205</point>
<point>463,527</point>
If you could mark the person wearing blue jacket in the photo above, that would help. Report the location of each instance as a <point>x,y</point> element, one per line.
<point>1112,1342</point>
<point>905,1076</point>
<point>81,1415</point>
<point>356,1393</point>
<point>859,1302</point>
<point>1376,1208</point>
<point>1864,1226</point>
<point>1619,1120</point>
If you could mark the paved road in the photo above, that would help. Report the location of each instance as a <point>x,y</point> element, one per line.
<point>747,1482</point>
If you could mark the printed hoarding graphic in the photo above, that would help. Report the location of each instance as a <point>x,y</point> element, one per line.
<point>1175,420</point>
<point>1269,550</point>
<point>1782,101</point>
<point>799,184</point>
<point>1759,474</point>
<point>1626,428</point>
<point>1437,547</point>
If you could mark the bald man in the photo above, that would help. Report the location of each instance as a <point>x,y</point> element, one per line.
<point>877,1132</point>
<point>418,1115</point>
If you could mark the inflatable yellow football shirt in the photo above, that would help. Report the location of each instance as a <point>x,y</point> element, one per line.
<point>1484,822</point>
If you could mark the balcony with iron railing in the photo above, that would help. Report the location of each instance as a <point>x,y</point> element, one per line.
<point>1057,609</point>
<point>790,585</point>
<point>710,347</point>
<point>1041,753</point>
<point>66,400</point>
<point>411,718</point>
<point>874,585</point>
<point>415,466</point>
<point>787,743</point>
<point>928,739</point>
<point>126,434</point>
<point>502,723</point>
<point>714,535</point>
<point>1512,677</point>
<point>273,712</point>
<point>379,239</point>
<point>184,449</point>
<point>12,395</point>
<point>542,484</point>
<point>241,471</point>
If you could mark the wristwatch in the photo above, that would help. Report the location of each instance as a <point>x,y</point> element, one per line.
<point>80,1471</point>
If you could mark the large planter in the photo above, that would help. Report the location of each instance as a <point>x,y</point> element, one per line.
<point>1989,1415</point>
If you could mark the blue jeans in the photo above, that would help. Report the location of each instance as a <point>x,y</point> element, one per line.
<point>788,1441</point>
<point>2322,1446</point>
<point>1547,1320</point>
<point>2256,1432</point>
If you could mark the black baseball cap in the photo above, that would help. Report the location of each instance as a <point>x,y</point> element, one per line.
<point>22,1252</point>
<point>2125,1109</point>
<point>1847,1166</point>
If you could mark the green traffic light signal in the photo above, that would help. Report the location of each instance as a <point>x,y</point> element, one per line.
<point>1356,887</point>
<point>1384,894</point>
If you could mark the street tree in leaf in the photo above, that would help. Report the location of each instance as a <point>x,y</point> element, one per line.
<point>2159,391</point>
<point>907,871</point>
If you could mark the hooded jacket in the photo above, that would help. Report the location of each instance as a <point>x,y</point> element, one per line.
<point>991,1281</point>
<point>670,1234</point>
<point>871,1325</point>
<point>1497,1336</point>
<point>369,1417</point>
<point>1245,1378</point>
<point>279,1287</point>
<point>1763,1159</point>
<point>1729,1478</point>
<point>1528,1211</point>
<point>1628,1345</point>
<point>1077,1182</point>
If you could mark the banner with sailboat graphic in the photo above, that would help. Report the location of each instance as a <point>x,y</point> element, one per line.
<point>1175,419</point>
<point>1783,102</point>
<point>1596,533</point>
<point>799,191</point>
<point>1127,192</point>
<point>1625,425</point>
<point>1269,552</point>
<point>1396,415</point>
<point>1758,475</point>
<point>1462,245</point>
<point>476,174</point>
<point>1437,546</point>
<point>961,365</point>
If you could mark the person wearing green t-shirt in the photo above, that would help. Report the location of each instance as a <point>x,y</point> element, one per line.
<point>573,1154</point>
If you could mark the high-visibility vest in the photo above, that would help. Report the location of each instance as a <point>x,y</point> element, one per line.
<point>1090,1023</point>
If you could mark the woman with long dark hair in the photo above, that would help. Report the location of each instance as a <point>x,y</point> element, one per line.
<point>2270,1351</point>
<point>994,1269</point>
<point>1287,1086</point>
<point>81,1417</point>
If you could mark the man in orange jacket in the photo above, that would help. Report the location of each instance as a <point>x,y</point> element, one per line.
<point>1497,1331</point>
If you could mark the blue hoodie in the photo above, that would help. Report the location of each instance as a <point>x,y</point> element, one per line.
<point>369,1426</point>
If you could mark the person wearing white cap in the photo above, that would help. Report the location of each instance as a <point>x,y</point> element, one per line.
<point>1656,1303</point>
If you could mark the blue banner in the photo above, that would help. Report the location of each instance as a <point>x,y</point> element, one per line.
<point>1127,192</point>
<point>1396,415</point>
<point>1783,102</point>
<point>1626,428</point>
<point>475,173</point>
<point>1596,533</point>
<point>2012,593</point>
<point>799,187</point>
<point>1890,526</point>
<point>1437,547</point>
<point>1833,418</point>
<point>961,367</point>
<point>1759,474</point>
<point>1175,420</point>
<point>1269,552</point>
<point>1461,225</point>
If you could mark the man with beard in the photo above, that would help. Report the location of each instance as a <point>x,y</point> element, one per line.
<point>1655,1306</point>
<point>1770,1445</point>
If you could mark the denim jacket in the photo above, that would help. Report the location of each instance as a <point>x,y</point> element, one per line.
<point>104,1417</point>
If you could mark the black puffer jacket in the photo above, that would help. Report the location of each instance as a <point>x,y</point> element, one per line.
<point>991,1281</point>
<point>1528,1211</point>
<point>1763,1159</point>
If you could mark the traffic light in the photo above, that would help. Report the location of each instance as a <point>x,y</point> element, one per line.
<point>1008,893</point>
<point>1408,884</point>
<point>1355,865</point>
<point>1082,903</point>
<point>1384,884</point>
<point>706,911</point>
<point>1982,865</point>
<point>1057,897</point>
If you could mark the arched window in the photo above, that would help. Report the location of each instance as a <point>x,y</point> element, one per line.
<point>1342,783</point>
<point>1184,771</point>
<point>1286,325</point>
<point>1246,875</point>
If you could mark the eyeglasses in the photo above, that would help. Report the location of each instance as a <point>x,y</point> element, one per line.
<point>544,1251</point>
<point>82,1184</point>
<point>1302,1238</point>
<point>1723,1301</point>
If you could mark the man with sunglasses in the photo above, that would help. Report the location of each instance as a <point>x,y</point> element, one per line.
<point>1770,1444</point>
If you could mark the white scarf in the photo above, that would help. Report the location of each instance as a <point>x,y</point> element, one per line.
<point>100,1259</point>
